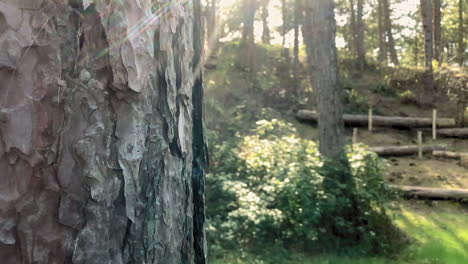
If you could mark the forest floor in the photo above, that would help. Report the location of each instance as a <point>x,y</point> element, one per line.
<point>437,229</point>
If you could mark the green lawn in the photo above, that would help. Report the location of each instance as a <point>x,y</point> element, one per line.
<point>439,232</point>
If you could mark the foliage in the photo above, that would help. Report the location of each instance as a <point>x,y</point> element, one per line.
<point>407,97</point>
<point>355,103</point>
<point>269,190</point>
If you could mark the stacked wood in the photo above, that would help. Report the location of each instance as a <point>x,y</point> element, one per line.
<point>433,193</point>
<point>453,132</point>
<point>406,150</point>
<point>386,121</point>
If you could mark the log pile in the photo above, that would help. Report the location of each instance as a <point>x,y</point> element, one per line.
<point>433,193</point>
<point>385,121</point>
<point>405,150</point>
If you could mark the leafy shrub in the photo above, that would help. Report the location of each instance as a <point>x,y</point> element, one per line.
<point>384,89</point>
<point>407,97</point>
<point>355,103</point>
<point>270,189</point>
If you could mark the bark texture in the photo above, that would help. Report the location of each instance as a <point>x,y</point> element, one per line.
<point>96,145</point>
<point>325,78</point>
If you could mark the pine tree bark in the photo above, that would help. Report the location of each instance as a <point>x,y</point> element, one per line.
<point>461,32</point>
<point>426,15</point>
<point>437,31</point>
<point>325,78</point>
<point>388,30</point>
<point>101,133</point>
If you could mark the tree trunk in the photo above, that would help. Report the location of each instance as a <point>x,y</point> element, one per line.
<point>361,51</point>
<point>353,30</point>
<point>437,31</point>
<point>325,78</point>
<point>416,43</point>
<point>285,19</point>
<point>296,65</point>
<point>382,36</point>
<point>426,14</point>
<point>266,30</point>
<point>248,36</point>
<point>461,32</point>
<point>388,30</point>
<point>212,28</point>
<point>100,138</point>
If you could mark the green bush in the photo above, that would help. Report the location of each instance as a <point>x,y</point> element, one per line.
<point>355,103</point>
<point>268,188</point>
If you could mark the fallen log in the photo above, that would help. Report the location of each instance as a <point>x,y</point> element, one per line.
<point>433,193</point>
<point>448,154</point>
<point>386,121</point>
<point>405,150</point>
<point>453,132</point>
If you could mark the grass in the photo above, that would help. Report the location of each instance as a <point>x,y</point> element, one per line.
<point>438,231</point>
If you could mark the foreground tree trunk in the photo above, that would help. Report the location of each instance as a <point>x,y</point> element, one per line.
<point>325,78</point>
<point>426,15</point>
<point>101,134</point>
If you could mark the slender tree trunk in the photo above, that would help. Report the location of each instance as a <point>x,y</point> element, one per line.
<point>388,30</point>
<point>437,31</point>
<point>266,29</point>
<point>382,36</point>
<point>101,133</point>
<point>426,15</point>
<point>416,47</point>
<point>285,19</point>
<point>361,51</point>
<point>353,29</point>
<point>296,65</point>
<point>325,78</point>
<point>461,42</point>
<point>307,30</point>
<point>248,36</point>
